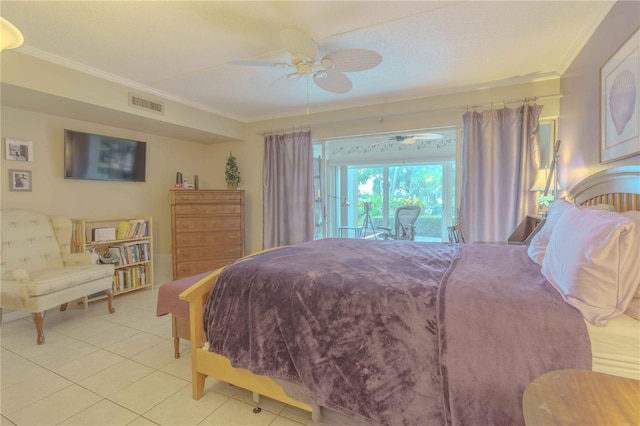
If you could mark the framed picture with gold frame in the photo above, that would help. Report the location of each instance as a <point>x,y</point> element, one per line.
<point>620,102</point>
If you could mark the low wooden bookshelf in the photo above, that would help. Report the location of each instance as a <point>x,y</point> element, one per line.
<point>130,238</point>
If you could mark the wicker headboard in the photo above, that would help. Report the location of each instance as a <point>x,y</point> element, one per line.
<point>618,186</point>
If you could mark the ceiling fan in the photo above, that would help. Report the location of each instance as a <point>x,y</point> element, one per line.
<point>412,139</point>
<point>328,71</point>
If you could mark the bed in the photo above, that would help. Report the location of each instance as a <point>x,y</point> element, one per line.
<point>452,340</point>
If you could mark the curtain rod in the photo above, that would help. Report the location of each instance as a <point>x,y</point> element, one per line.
<point>467,107</point>
<point>285,131</point>
<point>381,117</point>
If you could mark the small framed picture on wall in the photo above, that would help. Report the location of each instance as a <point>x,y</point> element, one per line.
<point>17,150</point>
<point>620,101</point>
<point>20,180</point>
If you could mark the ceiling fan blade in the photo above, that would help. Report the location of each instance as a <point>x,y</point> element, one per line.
<point>261,64</point>
<point>333,81</point>
<point>351,60</point>
<point>412,139</point>
<point>378,141</point>
<point>428,136</point>
<point>282,82</point>
<point>297,42</point>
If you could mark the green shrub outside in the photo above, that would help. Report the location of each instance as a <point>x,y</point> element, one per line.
<point>426,226</point>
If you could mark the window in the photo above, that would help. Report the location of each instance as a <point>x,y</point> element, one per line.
<point>385,173</point>
<point>385,187</point>
<point>368,178</point>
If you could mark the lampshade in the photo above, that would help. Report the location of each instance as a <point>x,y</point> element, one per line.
<point>10,37</point>
<point>541,181</point>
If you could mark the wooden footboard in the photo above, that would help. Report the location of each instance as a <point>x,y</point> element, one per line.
<point>205,363</point>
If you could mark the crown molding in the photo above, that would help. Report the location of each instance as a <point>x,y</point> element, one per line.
<point>67,63</point>
<point>584,37</point>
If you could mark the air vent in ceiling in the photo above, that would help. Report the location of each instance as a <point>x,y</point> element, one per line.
<point>147,104</point>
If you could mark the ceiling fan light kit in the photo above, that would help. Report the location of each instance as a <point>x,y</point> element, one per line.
<point>10,37</point>
<point>411,139</point>
<point>327,71</point>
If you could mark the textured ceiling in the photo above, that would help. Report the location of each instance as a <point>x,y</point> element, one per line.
<point>181,49</point>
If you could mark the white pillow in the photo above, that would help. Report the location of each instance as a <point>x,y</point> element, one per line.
<point>539,242</point>
<point>592,260</point>
<point>635,215</point>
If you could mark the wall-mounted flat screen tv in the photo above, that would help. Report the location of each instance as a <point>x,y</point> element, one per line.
<point>99,157</point>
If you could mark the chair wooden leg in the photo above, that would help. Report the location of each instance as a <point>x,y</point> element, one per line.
<point>63,307</point>
<point>176,339</point>
<point>110,301</point>
<point>38,319</point>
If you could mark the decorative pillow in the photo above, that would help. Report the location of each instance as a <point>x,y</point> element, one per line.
<point>592,260</point>
<point>635,215</point>
<point>633,310</point>
<point>539,242</point>
<point>606,207</point>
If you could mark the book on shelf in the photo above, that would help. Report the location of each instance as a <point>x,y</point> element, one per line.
<point>134,228</point>
<point>132,252</point>
<point>116,281</point>
<point>135,276</point>
<point>137,228</point>
<point>143,275</point>
<point>121,279</point>
<point>122,230</point>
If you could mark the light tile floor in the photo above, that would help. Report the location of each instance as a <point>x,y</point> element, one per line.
<point>119,369</point>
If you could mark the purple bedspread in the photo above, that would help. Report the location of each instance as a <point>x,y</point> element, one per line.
<point>502,325</point>
<point>367,327</point>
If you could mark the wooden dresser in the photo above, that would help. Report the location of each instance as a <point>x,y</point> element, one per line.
<point>207,230</point>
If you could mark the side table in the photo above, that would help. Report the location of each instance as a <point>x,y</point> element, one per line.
<point>581,397</point>
<point>526,229</point>
<point>357,231</point>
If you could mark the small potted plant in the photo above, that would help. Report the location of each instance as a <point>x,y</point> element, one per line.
<point>232,173</point>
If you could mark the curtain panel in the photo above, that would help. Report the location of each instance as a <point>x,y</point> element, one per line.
<point>287,189</point>
<point>500,157</point>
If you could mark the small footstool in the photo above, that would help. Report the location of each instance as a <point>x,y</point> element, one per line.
<point>169,302</point>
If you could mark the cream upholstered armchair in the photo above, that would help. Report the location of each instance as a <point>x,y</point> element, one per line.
<point>38,269</point>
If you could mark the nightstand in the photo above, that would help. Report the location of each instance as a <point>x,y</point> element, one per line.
<point>581,397</point>
<point>525,230</point>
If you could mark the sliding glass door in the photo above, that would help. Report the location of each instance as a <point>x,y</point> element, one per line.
<point>374,192</point>
<point>366,181</point>
<point>360,182</point>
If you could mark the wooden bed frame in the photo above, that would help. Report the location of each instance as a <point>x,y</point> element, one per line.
<point>205,363</point>
<point>618,186</point>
